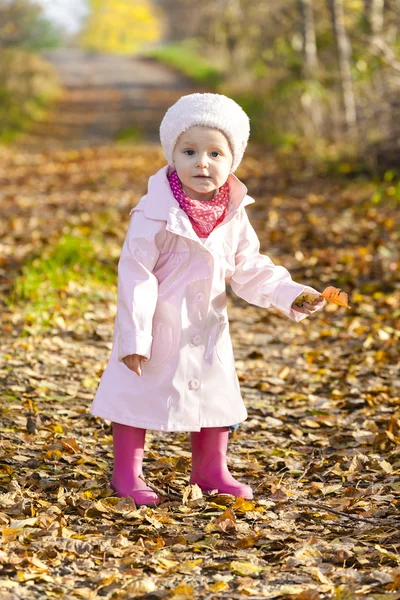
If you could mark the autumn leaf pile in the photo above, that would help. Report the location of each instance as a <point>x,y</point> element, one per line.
<point>320,445</point>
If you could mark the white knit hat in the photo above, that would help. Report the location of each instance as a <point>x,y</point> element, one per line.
<point>209,110</point>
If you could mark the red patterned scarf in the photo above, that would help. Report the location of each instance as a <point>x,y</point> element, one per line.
<point>204,215</point>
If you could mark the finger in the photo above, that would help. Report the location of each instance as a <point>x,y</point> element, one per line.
<point>312,308</point>
<point>320,301</point>
<point>132,366</point>
<point>309,308</point>
<point>136,369</point>
<point>299,309</point>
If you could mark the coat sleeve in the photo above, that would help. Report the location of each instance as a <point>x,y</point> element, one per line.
<point>137,285</point>
<point>258,280</point>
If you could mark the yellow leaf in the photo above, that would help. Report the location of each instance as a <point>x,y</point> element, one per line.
<point>392,555</point>
<point>66,533</point>
<point>190,565</point>
<point>90,383</point>
<point>247,542</point>
<point>218,586</point>
<point>57,428</point>
<point>321,577</point>
<point>9,533</point>
<point>182,591</point>
<point>25,576</point>
<point>169,564</point>
<point>244,568</point>
<point>89,494</point>
<point>53,454</point>
<point>242,505</point>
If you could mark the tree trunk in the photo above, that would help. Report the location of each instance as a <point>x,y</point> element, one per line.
<point>374,15</point>
<point>309,38</point>
<point>233,28</point>
<point>344,56</point>
<point>310,59</point>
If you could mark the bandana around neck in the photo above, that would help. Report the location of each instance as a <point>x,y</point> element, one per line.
<point>204,215</point>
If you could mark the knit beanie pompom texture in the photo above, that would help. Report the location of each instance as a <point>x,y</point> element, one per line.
<point>207,110</point>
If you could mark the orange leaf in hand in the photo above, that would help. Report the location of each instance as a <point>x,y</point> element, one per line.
<point>336,295</point>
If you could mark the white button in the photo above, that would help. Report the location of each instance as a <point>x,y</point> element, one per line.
<point>194,384</point>
<point>196,340</point>
<point>199,297</point>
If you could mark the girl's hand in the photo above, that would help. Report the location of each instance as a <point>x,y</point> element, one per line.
<point>308,302</point>
<point>309,309</point>
<point>134,363</point>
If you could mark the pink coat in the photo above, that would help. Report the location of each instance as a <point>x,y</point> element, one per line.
<point>172,309</point>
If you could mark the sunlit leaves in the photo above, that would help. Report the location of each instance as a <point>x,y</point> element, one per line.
<point>121,26</point>
<point>320,447</point>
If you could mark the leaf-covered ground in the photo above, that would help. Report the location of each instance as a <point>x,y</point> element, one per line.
<point>320,446</point>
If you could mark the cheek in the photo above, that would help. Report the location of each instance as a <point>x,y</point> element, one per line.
<point>183,172</point>
<point>224,170</point>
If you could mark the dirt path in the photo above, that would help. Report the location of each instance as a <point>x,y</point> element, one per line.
<point>105,94</point>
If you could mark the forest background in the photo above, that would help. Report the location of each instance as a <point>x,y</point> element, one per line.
<point>317,74</point>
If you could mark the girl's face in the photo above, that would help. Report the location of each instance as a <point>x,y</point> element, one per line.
<point>203,161</point>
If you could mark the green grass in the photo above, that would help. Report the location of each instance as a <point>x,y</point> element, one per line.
<point>59,286</point>
<point>130,135</point>
<point>186,57</point>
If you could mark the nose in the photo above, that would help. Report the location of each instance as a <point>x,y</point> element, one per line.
<point>202,161</point>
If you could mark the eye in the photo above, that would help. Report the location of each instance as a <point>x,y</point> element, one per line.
<point>214,154</point>
<point>189,152</point>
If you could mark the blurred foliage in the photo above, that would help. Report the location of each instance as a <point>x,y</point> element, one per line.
<point>261,49</point>
<point>187,56</point>
<point>28,84</point>
<point>121,26</point>
<point>23,26</point>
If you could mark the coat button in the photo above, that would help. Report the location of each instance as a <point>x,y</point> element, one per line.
<point>194,384</point>
<point>199,297</point>
<point>196,340</point>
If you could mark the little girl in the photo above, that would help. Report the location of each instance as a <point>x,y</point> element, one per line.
<point>172,364</point>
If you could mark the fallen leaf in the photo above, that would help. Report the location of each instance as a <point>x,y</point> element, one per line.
<point>336,295</point>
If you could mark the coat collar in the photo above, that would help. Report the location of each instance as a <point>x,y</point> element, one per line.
<point>161,204</point>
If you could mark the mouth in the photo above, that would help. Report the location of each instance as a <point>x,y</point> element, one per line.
<point>202,177</point>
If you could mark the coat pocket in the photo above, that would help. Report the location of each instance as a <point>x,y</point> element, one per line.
<point>166,325</point>
<point>223,345</point>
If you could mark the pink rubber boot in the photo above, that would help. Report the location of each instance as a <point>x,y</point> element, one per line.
<point>209,468</point>
<point>128,458</point>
